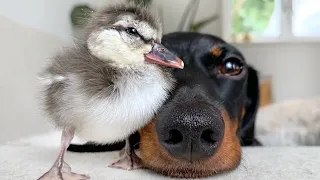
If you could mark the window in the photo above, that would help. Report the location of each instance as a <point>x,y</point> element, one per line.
<point>306,18</point>
<point>275,20</point>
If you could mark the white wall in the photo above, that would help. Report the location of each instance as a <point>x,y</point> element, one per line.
<point>51,16</point>
<point>173,11</point>
<point>23,51</point>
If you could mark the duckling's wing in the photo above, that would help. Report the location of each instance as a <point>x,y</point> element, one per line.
<point>73,77</point>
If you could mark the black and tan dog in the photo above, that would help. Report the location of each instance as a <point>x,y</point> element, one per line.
<point>199,130</point>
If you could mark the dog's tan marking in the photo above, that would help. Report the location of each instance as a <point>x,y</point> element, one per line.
<point>216,51</point>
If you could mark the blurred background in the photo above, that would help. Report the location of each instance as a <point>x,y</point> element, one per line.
<point>280,38</point>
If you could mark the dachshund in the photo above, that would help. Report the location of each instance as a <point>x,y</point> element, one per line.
<point>209,115</point>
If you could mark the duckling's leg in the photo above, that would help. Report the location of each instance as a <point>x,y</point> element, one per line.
<point>61,170</point>
<point>128,159</point>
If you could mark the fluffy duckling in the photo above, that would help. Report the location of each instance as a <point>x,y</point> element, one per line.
<point>111,85</point>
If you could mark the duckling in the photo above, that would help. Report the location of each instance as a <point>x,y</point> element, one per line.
<point>110,85</point>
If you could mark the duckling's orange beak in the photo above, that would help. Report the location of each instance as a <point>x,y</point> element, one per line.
<point>162,56</point>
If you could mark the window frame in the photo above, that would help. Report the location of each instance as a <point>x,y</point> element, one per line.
<point>286,32</point>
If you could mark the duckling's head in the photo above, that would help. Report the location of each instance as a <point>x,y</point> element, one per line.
<point>128,35</point>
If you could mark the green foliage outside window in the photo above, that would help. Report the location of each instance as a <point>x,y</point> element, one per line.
<point>251,16</point>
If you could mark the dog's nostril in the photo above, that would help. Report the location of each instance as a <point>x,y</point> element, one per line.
<point>175,137</point>
<point>207,137</point>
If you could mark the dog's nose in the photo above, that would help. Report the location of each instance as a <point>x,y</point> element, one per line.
<point>192,135</point>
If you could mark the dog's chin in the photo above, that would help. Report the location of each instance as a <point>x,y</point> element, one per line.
<point>182,169</point>
<point>155,157</point>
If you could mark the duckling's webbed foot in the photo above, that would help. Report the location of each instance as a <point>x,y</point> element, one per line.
<point>61,170</point>
<point>63,173</point>
<point>128,159</point>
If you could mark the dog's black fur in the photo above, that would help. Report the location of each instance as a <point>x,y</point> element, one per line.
<point>201,66</point>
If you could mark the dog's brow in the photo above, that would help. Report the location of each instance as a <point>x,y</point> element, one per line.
<point>216,51</point>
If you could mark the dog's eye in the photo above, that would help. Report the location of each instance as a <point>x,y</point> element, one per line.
<point>231,67</point>
<point>132,31</point>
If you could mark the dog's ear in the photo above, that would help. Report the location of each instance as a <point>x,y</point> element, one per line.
<point>251,108</point>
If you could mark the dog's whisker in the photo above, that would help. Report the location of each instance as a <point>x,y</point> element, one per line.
<point>136,144</point>
<point>243,160</point>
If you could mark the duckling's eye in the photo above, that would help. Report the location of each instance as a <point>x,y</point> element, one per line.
<point>132,31</point>
<point>231,66</point>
